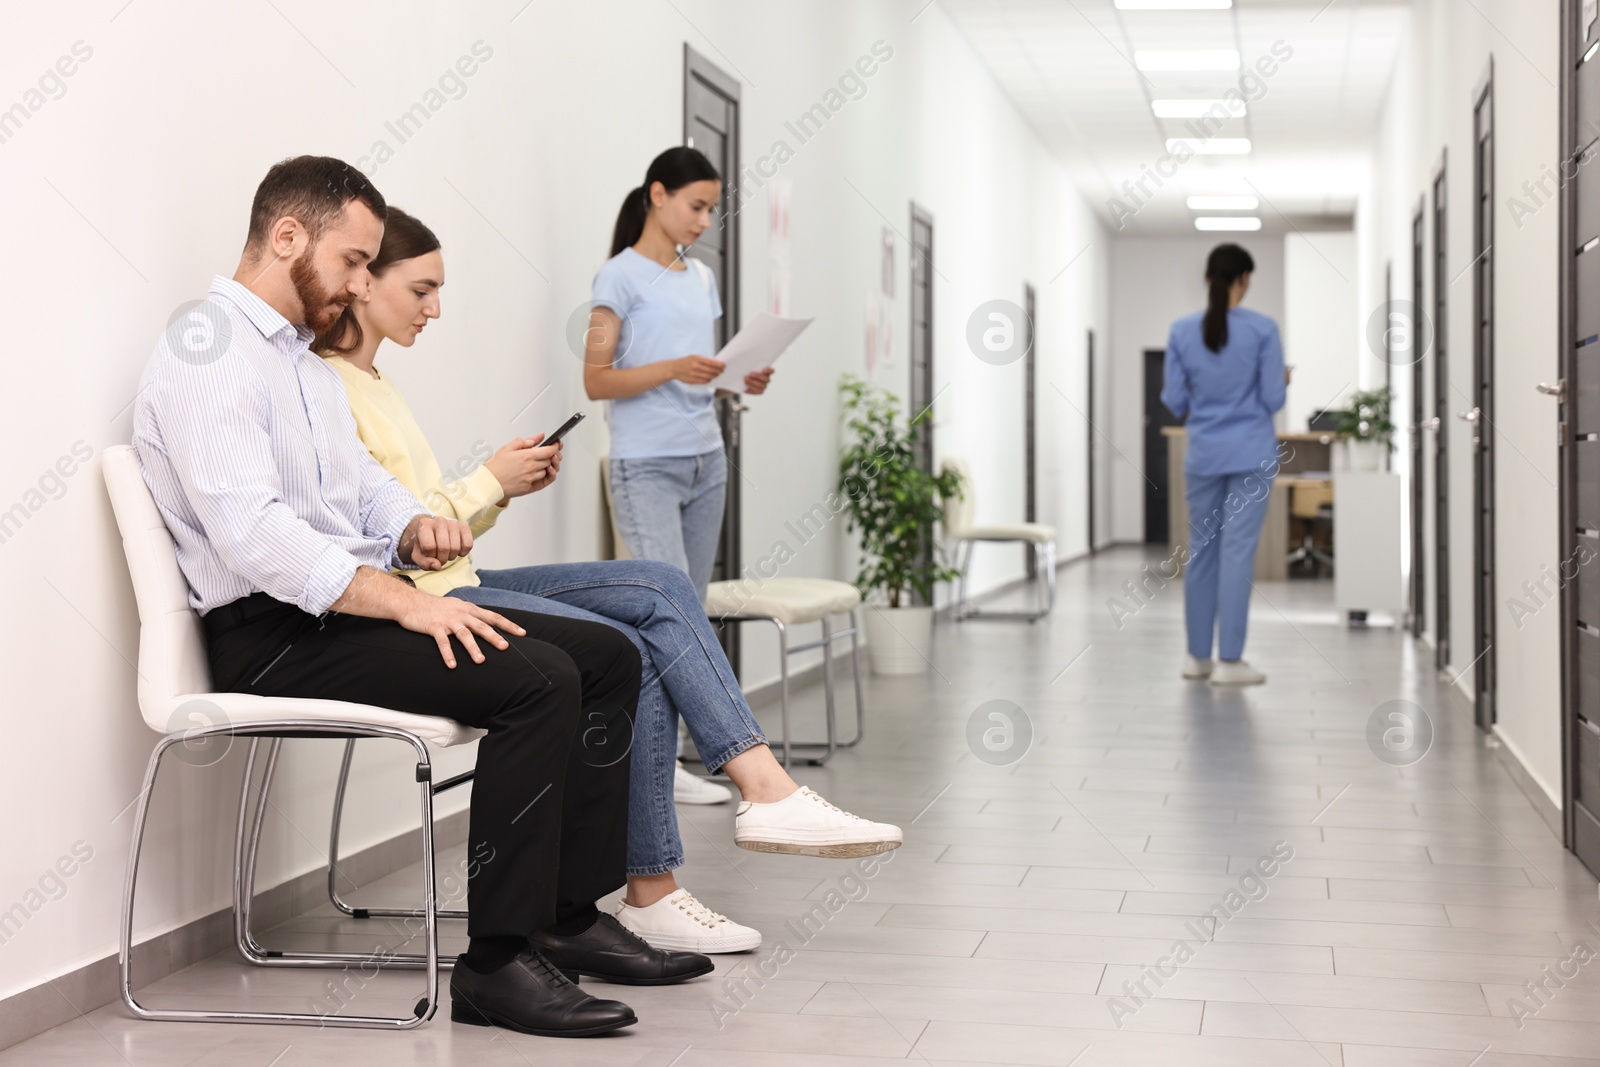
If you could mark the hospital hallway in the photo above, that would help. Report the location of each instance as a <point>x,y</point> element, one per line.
<point>1045,881</point>
<point>773,328</point>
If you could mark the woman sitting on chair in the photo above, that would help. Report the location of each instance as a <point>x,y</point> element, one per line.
<point>685,670</point>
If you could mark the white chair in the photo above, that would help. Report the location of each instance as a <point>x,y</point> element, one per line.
<point>960,528</point>
<point>174,689</point>
<point>784,602</point>
<point>787,602</point>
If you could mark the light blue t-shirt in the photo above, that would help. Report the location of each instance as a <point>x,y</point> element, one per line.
<point>666,314</point>
<point>1230,396</point>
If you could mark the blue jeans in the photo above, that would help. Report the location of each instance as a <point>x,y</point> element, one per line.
<point>670,508</point>
<point>1226,512</point>
<point>684,672</point>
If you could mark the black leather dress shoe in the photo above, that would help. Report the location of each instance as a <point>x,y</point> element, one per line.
<point>531,996</point>
<point>611,951</point>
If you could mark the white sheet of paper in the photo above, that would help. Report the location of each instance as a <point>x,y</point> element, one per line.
<point>763,339</point>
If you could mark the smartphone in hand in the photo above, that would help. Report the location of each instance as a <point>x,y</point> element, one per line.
<point>562,431</point>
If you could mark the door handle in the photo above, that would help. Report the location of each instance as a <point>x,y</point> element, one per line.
<point>1558,390</point>
<point>1468,416</point>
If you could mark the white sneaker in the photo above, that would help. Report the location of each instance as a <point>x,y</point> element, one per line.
<point>804,824</point>
<point>692,789</point>
<point>679,921</point>
<point>1236,673</point>
<point>1194,667</point>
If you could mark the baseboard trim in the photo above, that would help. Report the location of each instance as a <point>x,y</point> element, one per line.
<point>94,985</point>
<point>1548,810</point>
<point>1511,762</point>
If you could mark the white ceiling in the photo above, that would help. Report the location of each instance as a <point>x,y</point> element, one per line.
<point>1069,67</point>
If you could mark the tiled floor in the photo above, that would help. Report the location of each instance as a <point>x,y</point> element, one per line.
<point>1033,898</point>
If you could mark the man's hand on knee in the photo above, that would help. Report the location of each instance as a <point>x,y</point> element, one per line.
<point>444,617</point>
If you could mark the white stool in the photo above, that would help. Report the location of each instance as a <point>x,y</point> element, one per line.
<point>1039,537</point>
<point>174,684</point>
<point>787,602</point>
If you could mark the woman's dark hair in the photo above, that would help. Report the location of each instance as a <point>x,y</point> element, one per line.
<point>403,238</point>
<point>1223,268</point>
<point>674,168</point>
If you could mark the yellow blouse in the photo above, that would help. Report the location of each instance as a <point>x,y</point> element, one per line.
<point>391,434</point>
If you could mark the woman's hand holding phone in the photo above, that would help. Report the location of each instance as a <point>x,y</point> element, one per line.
<point>521,466</point>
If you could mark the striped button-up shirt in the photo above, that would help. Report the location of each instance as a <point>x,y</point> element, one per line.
<point>247,443</point>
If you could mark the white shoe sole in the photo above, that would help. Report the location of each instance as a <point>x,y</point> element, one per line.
<point>1236,682</point>
<point>701,798</point>
<point>713,794</point>
<point>827,849</point>
<point>1196,676</point>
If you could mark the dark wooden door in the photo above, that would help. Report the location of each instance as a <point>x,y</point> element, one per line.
<point>1578,394</point>
<point>1157,517</point>
<point>1481,414</point>
<point>1441,425</point>
<point>1420,336</point>
<point>711,124</point>
<point>1030,430</point>
<point>1089,457</point>
<point>922,387</point>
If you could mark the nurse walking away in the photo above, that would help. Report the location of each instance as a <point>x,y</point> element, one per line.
<point>1224,370</point>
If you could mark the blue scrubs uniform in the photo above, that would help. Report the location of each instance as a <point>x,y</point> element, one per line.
<point>1229,397</point>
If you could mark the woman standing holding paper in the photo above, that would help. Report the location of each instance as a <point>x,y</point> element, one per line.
<point>650,334</point>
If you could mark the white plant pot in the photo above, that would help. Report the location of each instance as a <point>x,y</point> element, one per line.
<point>899,640</point>
<point>1364,455</point>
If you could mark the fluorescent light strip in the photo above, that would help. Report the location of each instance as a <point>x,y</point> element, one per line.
<point>1174,5</point>
<point>1212,146</point>
<point>1194,109</point>
<point>1212,222</point>
<point>1187,59</point>
<point>1223,203</point>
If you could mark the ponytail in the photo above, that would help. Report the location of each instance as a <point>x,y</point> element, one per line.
<point>674,168</point>
<point>630,220</point>
<point>1223,267</point>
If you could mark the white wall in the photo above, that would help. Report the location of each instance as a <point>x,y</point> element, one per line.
<point>1155,280</point>
<point>132,188</point>
<point>1319,323</point>
<point>1429,110</point>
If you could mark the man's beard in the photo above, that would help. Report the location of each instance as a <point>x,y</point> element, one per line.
<point>321,308</point>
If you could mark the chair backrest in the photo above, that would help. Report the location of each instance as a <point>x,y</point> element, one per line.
<point>958,513</point>
<point>619,547</point>
<point>172,650</point>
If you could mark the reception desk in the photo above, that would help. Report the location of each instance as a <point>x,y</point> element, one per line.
<point>1298,453</point>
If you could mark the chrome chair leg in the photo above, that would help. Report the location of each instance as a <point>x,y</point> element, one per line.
<point>829,636</point>
<point>333,851</point>
<point>247,837</point>
<point>247,845</point>
<point>855,675</point>
<point>783,687</point>
<point>964,551</point>
<point>1043,583</point>
<point>827,693</point>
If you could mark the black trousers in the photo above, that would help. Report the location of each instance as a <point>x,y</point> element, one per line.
<point>549,817</point>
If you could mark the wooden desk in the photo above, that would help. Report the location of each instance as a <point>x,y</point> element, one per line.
<point>1306,452</point>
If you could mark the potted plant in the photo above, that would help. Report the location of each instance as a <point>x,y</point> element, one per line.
<point>895,505</point>
<point>1365,429</point>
